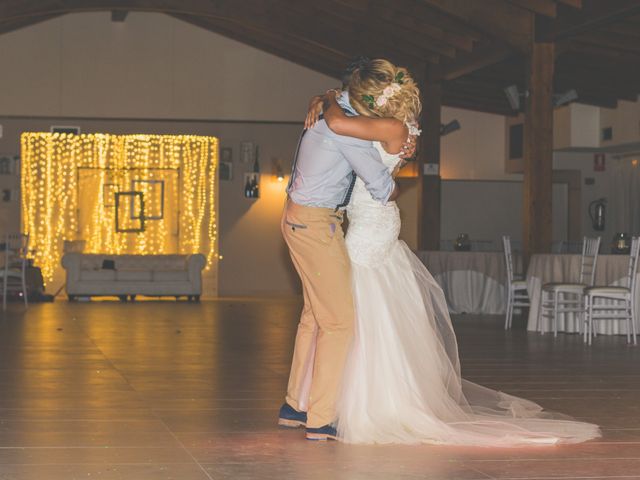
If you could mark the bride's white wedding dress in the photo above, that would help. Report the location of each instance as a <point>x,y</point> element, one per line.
<point>402,380</point>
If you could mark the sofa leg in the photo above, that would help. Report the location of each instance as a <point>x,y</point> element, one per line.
<point>196,298</point>
<point>132,298</point>
<point>123,298</point>
<point>72,298</point>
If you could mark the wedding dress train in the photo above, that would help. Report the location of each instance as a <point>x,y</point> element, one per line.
<point>402,381</point>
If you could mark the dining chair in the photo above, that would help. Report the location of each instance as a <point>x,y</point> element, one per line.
<point>561,297</point>
<point>621,304</point>
<point>517,295</point>
<point>13,272</point>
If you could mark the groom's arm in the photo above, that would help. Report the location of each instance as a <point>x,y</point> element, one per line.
<point>365,160</point>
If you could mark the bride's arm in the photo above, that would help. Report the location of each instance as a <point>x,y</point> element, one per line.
<point>366,128</point>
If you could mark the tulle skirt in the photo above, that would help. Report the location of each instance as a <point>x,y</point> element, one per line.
<point>402,381</point>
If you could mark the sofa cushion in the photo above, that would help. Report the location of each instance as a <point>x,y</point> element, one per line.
<point>92,262</point>
<point>170,275</point>
<point>151,262</point>
<point>100,275</point>
<point>133,275</point>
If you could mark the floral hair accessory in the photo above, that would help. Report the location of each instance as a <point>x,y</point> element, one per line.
<point>413,129</point>
<point>387,93</point>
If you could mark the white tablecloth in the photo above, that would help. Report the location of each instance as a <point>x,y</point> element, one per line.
<point>473,282</point>
<point>545,268</point>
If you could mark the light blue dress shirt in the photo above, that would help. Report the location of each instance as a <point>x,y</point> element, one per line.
<point>323,170</point>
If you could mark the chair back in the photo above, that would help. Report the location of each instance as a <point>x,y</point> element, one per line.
<point>590,247</point>
<point>16,248</point>
<point>633,265</point>
<point>508,257</point>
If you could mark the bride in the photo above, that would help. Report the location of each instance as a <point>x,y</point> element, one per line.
<point>402,381</point>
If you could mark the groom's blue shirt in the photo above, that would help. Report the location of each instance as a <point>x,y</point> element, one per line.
<point>325,163</point>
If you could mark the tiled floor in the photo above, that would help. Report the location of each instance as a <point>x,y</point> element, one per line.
<point>164,390</point>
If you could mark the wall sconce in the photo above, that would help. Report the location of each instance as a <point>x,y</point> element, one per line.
<point>278,171</point>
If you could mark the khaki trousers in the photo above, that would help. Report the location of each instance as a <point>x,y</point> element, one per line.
<point>316,244</point>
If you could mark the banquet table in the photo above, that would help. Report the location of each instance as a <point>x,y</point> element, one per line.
<point>473,282</point>
<point>545,268</point>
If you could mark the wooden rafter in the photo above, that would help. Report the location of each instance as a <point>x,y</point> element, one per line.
<point>594,13</point>
<point>417,19</point>
<point>482,56</point>
<point>541,7</point>
<point>372,36</point>
<point>609,40</point>
<point>328,63</point>
<point>377,22</point>
<point>572,3</point>
<point>496,18</point>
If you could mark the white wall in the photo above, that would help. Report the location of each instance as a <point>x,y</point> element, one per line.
<point>150,66</point>
<point>477,151</point>
<point>625,121</point>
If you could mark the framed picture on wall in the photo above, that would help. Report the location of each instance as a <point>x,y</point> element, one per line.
<point>247,150</point>
<point>226,154</point>
<point>225,171</point>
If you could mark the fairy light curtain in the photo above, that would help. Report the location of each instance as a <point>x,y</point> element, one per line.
<point>140,194</point>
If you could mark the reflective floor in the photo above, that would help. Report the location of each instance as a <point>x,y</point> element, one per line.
<point>165,390</point>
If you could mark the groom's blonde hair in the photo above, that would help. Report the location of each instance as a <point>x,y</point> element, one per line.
<point>368,82</point>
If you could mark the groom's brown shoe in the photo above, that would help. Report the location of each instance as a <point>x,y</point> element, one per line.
<point>291,418</point>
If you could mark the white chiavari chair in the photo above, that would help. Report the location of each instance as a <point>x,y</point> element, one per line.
<point>557,298</point>
<point>517,295</point>
<point>13,272</point>
<point>615,303</point>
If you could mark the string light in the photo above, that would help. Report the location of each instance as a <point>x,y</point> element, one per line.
<point>63,194</point>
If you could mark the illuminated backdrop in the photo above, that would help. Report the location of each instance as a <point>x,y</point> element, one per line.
<point>142,194</point>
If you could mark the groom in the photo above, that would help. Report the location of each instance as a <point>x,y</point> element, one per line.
<point>322,179</point>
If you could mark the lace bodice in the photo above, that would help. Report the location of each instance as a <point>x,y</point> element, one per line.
<point>373,227</point>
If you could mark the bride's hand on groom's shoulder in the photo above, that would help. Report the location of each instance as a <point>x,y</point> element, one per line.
<point>314,111</point>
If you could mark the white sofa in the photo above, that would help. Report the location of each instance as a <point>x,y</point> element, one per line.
<point>126,276</point>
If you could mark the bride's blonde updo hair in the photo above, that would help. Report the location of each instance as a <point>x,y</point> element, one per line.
<point>378,88</point>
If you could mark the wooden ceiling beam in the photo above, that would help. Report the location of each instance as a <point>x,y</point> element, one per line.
<point>598,53</point>
<point>327,63</point>
<point>571,3</point>
<point>609,40</point>
<point>471,102</point>
<point>368,26</point>
<point>541,7</point>
<point>481,57</point>
<point>496,18</point>
<point>594,13</point>
<point>421,16</point>
<point>410,17</point>
<point>588,88</point>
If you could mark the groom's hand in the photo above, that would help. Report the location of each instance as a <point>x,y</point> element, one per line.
<point>409,148</point>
